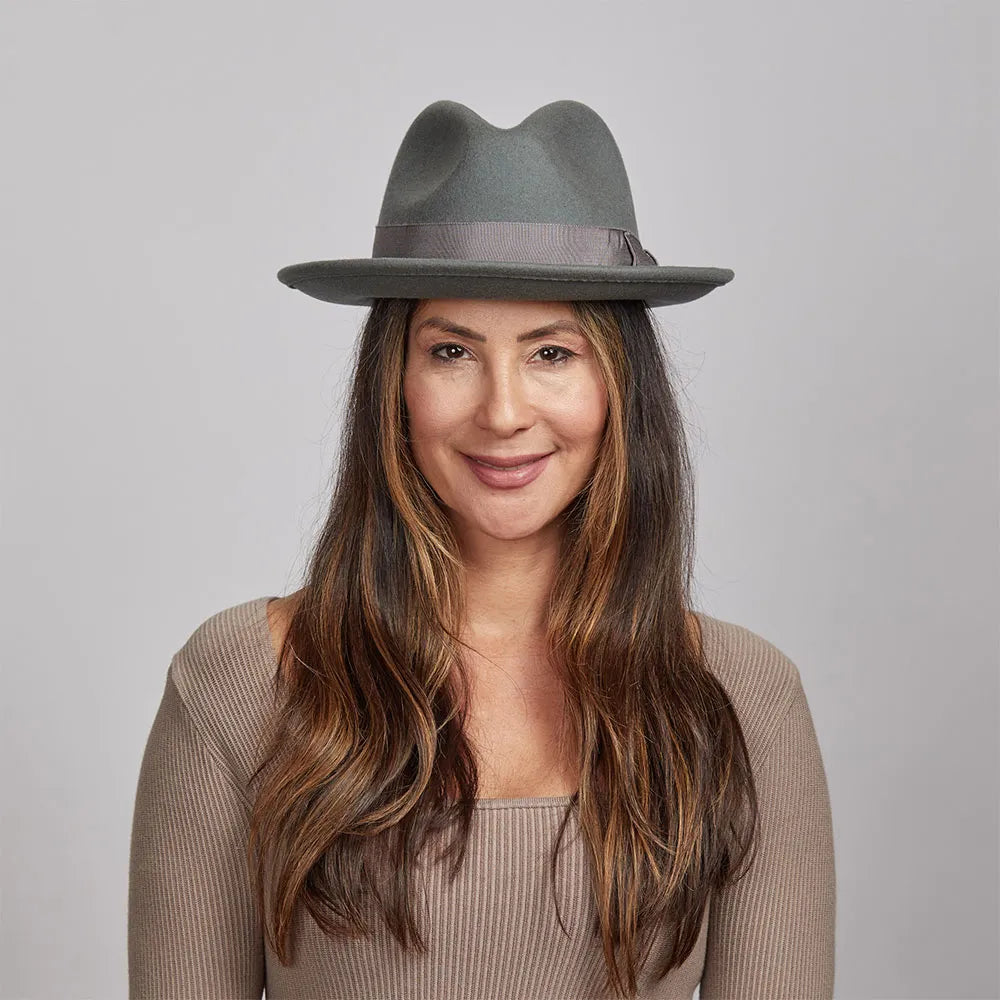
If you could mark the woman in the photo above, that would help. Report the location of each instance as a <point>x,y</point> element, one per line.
<point>488,749</point>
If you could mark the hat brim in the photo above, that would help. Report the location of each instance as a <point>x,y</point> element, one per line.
<point>359,281</point>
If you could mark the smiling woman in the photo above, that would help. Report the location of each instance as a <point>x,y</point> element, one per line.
<point>352,790</point>
<point>461,651</point>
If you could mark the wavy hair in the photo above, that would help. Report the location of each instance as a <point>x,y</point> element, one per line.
<point>366,755</point>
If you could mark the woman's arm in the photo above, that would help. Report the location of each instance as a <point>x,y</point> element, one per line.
<point>771,935</point>
<point>193,927</point>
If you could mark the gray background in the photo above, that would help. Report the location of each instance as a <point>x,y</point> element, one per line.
<point>170,411</point>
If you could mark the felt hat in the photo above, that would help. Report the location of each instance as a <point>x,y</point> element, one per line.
<point>539,211</point>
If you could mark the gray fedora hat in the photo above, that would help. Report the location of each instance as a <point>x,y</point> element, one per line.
<point>539,211</point>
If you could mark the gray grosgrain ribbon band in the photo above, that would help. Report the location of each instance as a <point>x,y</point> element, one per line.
<point>513,242</point>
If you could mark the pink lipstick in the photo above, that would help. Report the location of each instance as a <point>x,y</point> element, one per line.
<point>509,476</point>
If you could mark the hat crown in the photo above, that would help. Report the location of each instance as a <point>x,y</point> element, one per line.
<point>561,164</point>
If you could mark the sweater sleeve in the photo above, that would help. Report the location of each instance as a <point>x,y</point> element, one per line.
<point>771,935</point>
<point>193,927</point>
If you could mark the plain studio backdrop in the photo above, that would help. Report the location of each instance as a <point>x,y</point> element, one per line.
<point>171,411</point>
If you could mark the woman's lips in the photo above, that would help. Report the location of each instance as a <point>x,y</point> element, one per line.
<point>508,479</point>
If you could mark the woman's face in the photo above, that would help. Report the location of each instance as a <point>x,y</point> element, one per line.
<point>483,378</point>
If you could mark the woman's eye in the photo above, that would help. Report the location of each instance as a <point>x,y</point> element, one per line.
<point>441,347</point>
<point>564,355</point>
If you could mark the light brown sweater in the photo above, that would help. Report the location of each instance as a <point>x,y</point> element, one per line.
<point>194,932</point>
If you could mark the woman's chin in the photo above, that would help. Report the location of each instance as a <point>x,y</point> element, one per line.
<point>511,528</point>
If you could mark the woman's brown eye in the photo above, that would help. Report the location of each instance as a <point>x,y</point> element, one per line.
<point>444,347</point>
<point>561,358</point>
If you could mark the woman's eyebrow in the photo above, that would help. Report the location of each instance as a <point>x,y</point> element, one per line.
<point>558,326</point>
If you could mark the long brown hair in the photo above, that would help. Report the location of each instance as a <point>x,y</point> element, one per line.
<point>366,755</point>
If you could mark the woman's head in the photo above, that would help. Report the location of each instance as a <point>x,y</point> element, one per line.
<point>503,379</point>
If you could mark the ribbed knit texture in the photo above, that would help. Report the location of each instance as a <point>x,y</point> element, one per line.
<point>194,930</point>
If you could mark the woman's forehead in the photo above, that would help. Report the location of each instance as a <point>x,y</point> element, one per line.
<point>486,315</point>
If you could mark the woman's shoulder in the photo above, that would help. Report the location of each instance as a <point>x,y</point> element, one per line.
<point>224,673</point>
<point>760,678</point>
<point>225,647</point>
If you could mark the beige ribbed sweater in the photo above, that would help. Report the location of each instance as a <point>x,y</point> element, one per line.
<point>194,932</point>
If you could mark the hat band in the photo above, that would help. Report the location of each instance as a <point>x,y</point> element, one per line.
<point>513,242</point>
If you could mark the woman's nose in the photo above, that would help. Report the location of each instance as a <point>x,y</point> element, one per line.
<point>505,401</point>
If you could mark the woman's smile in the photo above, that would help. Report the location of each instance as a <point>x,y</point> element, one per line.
<point>509,478</point>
